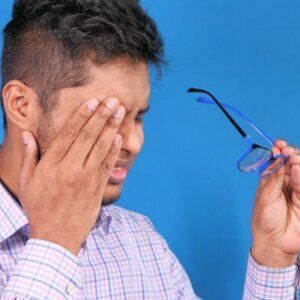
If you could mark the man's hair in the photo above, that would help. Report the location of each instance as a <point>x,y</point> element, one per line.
<point>48,43</point>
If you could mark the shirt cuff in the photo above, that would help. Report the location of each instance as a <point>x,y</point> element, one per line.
<point>45,270</point>
<point>269,283</point>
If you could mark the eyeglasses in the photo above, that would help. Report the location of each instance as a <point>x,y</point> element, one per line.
<point>256,157</point>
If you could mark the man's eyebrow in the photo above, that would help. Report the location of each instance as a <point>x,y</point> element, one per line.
<point>140,112</point>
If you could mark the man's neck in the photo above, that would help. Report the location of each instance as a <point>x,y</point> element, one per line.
<point>10,167</point>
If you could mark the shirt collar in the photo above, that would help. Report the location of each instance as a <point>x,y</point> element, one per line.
<point>104,220</point>
<point>13,218</point>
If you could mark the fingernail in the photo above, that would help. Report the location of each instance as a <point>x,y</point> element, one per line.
<point>93,104</point>
<point>119,112</point>
<point>25,138</point>
<point>118,139</point>
<point>111,103</point>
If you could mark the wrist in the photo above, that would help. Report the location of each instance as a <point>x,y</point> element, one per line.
<point>271,256</point>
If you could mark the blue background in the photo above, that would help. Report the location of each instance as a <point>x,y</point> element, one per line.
<point>186,180</point>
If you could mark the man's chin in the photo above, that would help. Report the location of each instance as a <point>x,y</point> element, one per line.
<point>108,201</point>
<point>112,193</point>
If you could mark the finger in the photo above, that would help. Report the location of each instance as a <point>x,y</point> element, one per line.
<point>70,130</point>
<point>276,170</point>
<point>29,158</point>
<point>276,150</point>
<point>280,143</point>
<point>288,150</point>
<point>105,140</point>
<point>274,182</point>
<point>275,179</point>
<point>109,162</point>
<point>295,180</point>
<point>263,179</point>
<point>90,132</point>
<point>297,150</point>
<point>294,160</point>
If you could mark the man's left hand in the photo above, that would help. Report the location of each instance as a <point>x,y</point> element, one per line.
<point>276,217</point>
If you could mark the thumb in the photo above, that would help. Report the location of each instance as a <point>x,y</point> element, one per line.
<point>275,180</point>
<point>295,180</point>
<point>274,183</point>
<point>29,158</point>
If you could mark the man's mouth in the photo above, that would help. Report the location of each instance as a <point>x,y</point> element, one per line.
<point>119,173</point>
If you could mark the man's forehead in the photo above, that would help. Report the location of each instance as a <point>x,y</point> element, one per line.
<point>129,83</point>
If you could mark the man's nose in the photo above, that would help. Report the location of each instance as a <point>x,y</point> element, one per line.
<point>132,139</point>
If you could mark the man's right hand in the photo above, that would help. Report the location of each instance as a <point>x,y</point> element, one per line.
<point>62,193</point>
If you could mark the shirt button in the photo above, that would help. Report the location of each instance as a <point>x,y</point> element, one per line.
<point>71,289</point>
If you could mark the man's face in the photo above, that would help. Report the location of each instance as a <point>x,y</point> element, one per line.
<point>130,84</point>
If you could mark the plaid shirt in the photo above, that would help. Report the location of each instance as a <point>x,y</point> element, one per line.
<point>123,258</point>
<point>271,283</point>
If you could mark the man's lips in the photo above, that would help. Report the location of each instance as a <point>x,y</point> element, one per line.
<point>122,164</point>
<point>119,173</point>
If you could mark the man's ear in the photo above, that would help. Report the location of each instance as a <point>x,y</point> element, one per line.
<point>21,105</point>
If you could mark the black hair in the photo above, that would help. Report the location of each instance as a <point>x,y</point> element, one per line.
<point>48,42</point>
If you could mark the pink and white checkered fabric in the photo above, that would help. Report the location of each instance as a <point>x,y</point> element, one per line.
<point>123,258</point>
<point>271,283</point>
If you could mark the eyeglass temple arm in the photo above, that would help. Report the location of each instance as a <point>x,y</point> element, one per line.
<point>230,118</point>
<point>260,132</point>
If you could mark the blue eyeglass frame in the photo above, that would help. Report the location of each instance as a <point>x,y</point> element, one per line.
<point>247,137</point>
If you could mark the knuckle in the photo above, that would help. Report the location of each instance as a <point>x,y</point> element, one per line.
<point>68,133</point>
<point>100,148</point>
<point>86,135</point>
<point>113,151</point>
<point>104,112</point>
<point>83,114</point>
<point>106,166</point>
<point>113,123</point>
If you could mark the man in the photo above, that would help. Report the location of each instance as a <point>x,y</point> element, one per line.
<point>75,88</point>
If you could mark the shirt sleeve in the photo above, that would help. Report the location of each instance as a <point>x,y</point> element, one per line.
<point>266,283</point>
<point>44,270</point>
